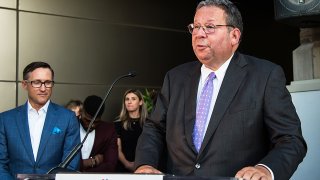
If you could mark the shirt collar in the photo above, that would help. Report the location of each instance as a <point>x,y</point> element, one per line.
<point>43,108</point>
<point>219,73</point>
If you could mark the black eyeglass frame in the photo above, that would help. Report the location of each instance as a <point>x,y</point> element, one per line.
<point>38,83</point>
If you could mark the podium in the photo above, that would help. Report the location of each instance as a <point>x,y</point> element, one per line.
<point>171,177</point>
<point>36,176</point>
<point>110,176</point>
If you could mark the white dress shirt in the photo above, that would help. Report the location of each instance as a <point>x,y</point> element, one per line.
<point>36,121</point>
<point>216,85</point>
<point>88,144</point>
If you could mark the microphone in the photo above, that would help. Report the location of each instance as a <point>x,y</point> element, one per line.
<point>62,166</point>
<point>132,73</point>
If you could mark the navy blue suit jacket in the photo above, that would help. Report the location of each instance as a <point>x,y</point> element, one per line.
<point>59,135</point>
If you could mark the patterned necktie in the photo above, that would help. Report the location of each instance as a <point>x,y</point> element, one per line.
<point>202,111</point>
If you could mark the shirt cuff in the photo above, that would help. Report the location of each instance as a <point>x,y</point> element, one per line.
<point>268,170</point>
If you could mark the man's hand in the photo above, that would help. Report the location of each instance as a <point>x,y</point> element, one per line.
<point>254,173</point>
<point>146,169</point>
<point>98,158</point>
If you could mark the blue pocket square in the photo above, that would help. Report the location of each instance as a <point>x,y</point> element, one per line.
<point>56,130</point>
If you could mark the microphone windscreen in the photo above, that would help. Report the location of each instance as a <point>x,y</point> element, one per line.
<point>132,73</point>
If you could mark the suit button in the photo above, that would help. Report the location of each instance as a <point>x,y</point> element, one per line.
<point>197,166</point>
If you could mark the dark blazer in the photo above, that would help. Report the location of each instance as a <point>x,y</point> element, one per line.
<point>105,142</point>
<point>59,135</point>
<point>253,121</point>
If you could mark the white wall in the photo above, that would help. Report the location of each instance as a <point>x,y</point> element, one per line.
<point>308,107</point>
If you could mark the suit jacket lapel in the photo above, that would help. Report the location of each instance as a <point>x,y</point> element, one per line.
<point>190,98</point>
<point>47,129</point>
<point>23,126</point>
<point>230,85</point>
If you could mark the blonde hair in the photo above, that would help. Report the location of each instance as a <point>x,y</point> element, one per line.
<point>73,103</point>
<point>124,114</point>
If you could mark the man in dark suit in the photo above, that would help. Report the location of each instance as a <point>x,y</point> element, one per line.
<point>38,135</point>
<point>100,150</point>
<point>252,130</point>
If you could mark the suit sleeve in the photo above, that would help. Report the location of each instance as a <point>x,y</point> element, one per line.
<point>288,147</point>
<point>110,154</point>
<point>4,160</point>
<point>72,139</point>
<point>151,142</point>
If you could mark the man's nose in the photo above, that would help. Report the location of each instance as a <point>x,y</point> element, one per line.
<point>201,32</point>
<point>42,87</point>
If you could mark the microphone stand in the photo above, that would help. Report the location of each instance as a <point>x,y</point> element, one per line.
<point>62,166</point>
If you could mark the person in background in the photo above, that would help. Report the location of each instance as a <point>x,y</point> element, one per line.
<point>100,151</point>
<point>76,106</point>
<point>38,135</point>
<point>129,127</point>
<point>227,114</point>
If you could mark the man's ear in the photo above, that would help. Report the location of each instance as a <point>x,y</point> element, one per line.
<point>24,84</point>
<point>235,36</point>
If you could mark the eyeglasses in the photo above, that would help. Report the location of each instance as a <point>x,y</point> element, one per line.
<point>206,28</point>
<point>38,83</point>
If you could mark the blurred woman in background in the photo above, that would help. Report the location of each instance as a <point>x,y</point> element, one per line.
<point>129,127</point>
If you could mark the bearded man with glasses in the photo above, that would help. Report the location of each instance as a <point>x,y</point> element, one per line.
<point>38,135</point>
<point>225,114</point>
